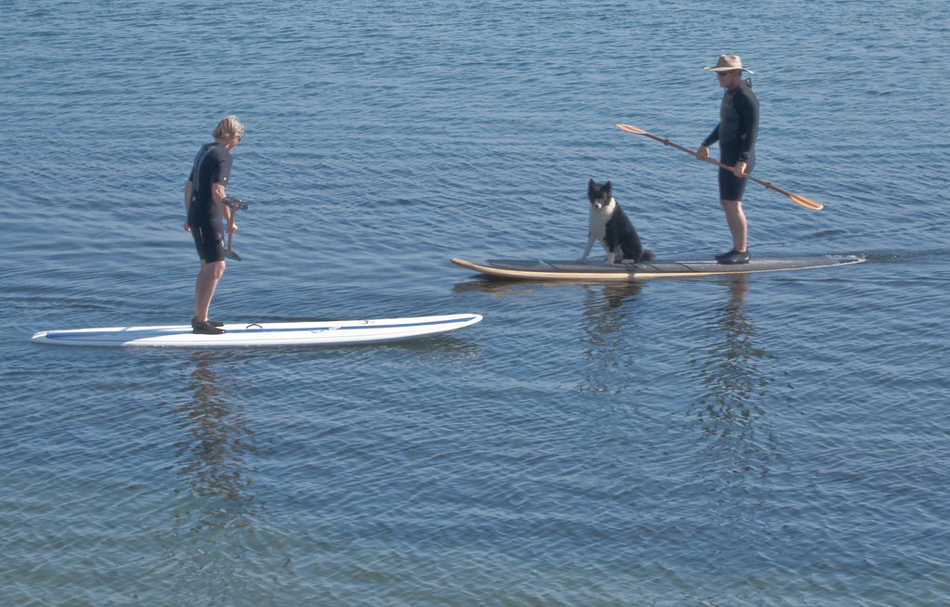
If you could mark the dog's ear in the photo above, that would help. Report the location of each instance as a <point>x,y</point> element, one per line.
<point>590,187</point>
<point>608,188</point>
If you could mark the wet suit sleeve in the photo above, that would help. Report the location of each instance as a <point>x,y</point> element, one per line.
<point>712,138</point>
<point>748,111</point>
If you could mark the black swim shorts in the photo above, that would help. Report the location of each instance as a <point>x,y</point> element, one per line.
<point>209,243</point>
<point>730,186</point>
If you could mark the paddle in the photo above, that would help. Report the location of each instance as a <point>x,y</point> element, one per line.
<point>805,202</point>
<point>235,205</point>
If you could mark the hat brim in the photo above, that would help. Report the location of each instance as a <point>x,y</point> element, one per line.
<point>727,69</point>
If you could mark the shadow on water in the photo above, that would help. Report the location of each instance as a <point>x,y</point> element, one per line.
<point>734,387</point>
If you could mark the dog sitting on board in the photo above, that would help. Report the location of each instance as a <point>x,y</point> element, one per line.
<point>610,225</point>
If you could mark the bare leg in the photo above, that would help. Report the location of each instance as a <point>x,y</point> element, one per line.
<point>205,284</point>
<point>737,223</point>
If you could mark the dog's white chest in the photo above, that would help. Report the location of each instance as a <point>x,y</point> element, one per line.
<point>599,218</point>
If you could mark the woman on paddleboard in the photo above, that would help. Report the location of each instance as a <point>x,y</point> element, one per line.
<point>207,215</point>
<point>736,132</point>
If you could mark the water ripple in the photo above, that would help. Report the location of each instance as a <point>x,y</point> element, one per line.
<point>776,439</point>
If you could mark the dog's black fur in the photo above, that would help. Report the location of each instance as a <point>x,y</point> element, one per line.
<point>610,225</point>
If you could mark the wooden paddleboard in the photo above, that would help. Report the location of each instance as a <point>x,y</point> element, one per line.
<point>542,269</point>
<point>263,334</point>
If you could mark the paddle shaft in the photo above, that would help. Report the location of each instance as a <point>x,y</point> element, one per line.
<point>715,162</point>
<point>801,200</point>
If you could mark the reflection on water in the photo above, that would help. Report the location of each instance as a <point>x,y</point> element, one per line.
<point>514,287</point>
<point>212,457</point>
<point>610,333</point>
<point>602,307</point>
<point>734,385</point>
<point>502,288</point>
<point>213,550</point>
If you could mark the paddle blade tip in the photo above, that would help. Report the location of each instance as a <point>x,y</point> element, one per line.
<point>807,202</point>
<point>630,129</point>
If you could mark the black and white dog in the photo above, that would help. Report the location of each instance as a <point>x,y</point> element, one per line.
<point>610,226</point>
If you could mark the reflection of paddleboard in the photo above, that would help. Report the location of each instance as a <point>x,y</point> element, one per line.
<point>539,269</point>
<point>263,334</point>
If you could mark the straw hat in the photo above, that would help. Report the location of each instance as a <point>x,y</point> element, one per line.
<point>728,63</point>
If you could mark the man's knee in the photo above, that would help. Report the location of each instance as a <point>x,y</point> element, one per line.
<point>212,269</point>
<point>732,207</point>
<point>217,269</point>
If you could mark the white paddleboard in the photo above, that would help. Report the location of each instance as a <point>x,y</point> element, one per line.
<point>263,334</point>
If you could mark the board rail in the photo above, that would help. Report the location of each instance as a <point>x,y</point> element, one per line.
<point>540,269</point>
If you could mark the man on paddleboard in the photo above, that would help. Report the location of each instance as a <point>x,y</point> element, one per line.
<point>207,215</point>
<point>736,132</point>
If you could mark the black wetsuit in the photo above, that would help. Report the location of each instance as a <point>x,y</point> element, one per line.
<point>212,165</point>
<point>736,132</point>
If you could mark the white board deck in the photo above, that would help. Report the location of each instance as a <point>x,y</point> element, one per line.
<point>541,269</point>
<point>263,334</point>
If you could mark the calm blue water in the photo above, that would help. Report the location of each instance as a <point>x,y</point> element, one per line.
<point>776,440</point>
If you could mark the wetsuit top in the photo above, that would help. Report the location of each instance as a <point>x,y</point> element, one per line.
<point>212,165</point>
<point>738,126</point>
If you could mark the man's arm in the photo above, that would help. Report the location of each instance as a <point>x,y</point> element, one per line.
<point>712,138</point>
<point>187,203</point>
<point>748,129</point>
<point>703,152</point>
<point>219,193</point>
<point>748,111</point>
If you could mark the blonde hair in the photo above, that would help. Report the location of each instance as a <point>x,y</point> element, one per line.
<point>229,127</point>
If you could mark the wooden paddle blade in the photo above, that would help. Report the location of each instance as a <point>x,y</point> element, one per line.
<point>631,129</point>
<point>807,202</point>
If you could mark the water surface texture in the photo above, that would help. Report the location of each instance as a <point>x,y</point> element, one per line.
<point>778,439</point>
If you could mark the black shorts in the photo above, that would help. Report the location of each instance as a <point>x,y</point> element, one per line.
<point>209,243</point>
<point>730,186</point>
